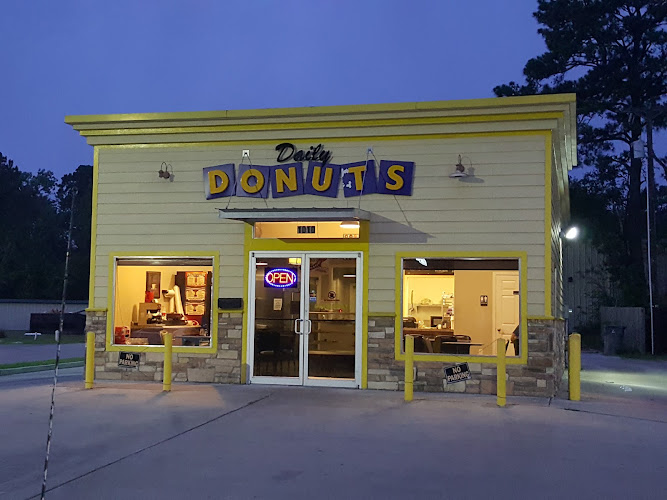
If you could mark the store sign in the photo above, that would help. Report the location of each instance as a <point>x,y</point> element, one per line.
<point>128,359</point>
<point>288,151</point>
<point>280,278</point>
<point>321,178</point>
<point>457,373</point>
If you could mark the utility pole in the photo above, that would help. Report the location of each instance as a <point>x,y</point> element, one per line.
<point>649,114</point>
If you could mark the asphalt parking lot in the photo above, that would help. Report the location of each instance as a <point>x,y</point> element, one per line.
<point>128,440</point>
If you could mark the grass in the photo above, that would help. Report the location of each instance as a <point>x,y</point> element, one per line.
<point>50,362</point>
<point>18,337</point>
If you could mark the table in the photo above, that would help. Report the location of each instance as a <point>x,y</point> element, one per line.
<point>193,339</point>
<point>430,336</point>
<point>152,332</point>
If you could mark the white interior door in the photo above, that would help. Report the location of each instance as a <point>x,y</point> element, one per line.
<point>506,313</point>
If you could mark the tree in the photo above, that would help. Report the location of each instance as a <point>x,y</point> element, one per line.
<point>613,54</point>
<point>31,237</point>
<point>34,220</point>
<point>81,183</point>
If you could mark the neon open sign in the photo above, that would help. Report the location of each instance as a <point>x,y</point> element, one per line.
<point>280,278</point>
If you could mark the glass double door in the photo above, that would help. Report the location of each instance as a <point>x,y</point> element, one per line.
<point>304,325</point>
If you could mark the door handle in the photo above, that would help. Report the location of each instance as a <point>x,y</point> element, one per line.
<point>310,326</point>
<point>296,327</point>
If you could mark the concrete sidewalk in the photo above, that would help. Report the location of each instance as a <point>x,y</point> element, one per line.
<point>128,440</point>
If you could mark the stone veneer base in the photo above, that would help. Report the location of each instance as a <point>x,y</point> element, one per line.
<point>222,367</point>
<point>541,376</point>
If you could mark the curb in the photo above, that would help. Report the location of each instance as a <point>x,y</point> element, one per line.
<point>39,368</point>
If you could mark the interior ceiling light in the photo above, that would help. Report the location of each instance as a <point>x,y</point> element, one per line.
<point>460,170</point>
<point>350,224</point>
<point>349,275</point>
<point>422,262</point>
<point>262,264</point>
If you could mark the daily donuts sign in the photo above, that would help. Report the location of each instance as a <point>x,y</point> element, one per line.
<point>321,178</point>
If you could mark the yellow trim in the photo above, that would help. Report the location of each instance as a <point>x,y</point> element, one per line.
<point>486,103</point>
<point>111,347</point>
<point>547,224</point>
<point>96,309</point>
<point>443,358</point>
<point>359,245</point>
<point>382,314</point>
<point>230,311</point>
<point>501,117</point>
<point>407,137</point>
<point>540,318</point>
<point>93,227</point>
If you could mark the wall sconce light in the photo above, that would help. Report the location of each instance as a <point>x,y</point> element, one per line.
<point>483,300</point>
<point>165,174</point>
<point>460,170</point>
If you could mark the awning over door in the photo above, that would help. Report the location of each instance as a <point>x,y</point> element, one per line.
<point>293,214</point>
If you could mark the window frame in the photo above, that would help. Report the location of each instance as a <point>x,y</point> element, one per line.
<point>111,294</point>
<point>521,257</point>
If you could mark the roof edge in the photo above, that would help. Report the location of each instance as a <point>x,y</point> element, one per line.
<point>489,102</point>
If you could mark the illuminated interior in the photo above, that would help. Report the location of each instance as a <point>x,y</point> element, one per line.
<point>307,230</point>
<point>459,306</point>
<point>154,296</point>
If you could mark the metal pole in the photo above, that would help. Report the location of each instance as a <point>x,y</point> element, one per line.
<point>55,372</point>
<point>90,360</point>
<point>501,372</point>
<point>649,191</point>
<point>574,366</point>
<point>166,370</point>
<point>409,366</point>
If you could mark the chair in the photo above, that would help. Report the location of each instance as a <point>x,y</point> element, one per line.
<point>445,344</point>
<point>267,347</point>
<point>463,348</point>
<point>420,343</point>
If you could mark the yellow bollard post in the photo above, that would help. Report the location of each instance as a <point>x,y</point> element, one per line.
<point>574,367</point>
<point>166,370</point>
<point>90,359</point>
<point>500,374</point>
<point>409,364</point>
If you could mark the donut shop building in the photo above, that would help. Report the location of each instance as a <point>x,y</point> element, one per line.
<point>300,246</point>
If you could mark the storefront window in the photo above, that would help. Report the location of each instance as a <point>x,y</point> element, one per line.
<point>461,306</point>
<point>154,296</point>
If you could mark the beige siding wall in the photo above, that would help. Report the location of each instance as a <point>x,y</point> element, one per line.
<point>557,302</point>
<point>500,209</point>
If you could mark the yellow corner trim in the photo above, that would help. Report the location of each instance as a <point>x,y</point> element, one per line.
<point>93,227</point>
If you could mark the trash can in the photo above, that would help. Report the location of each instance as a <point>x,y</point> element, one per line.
<point>612,339</point>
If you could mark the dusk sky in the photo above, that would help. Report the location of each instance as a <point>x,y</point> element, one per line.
<point>97,57</point>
